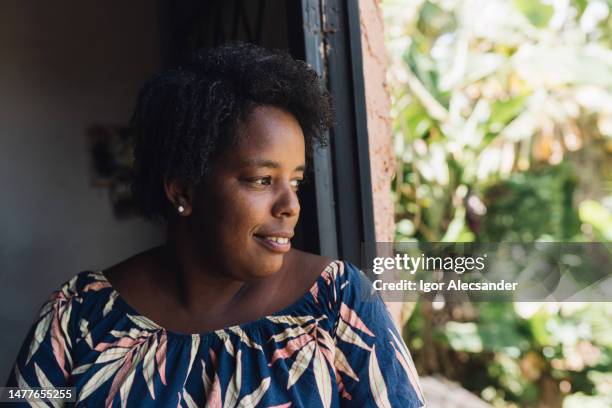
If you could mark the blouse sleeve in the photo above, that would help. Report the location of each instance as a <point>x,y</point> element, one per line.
<point>372,361</point>
<point>45,356</point>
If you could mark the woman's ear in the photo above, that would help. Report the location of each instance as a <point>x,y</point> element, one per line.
<point>180,196</point>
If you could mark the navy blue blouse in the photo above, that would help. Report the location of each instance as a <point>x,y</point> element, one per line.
<point>334,347</point>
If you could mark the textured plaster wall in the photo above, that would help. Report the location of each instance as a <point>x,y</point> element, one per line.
<point>65,66</point>
<point>378,105</point>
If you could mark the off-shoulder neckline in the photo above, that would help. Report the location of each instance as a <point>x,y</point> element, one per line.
<point>144,320</point>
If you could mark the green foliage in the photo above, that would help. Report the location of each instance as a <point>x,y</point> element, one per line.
<point>538,13</point>
<point>509,353</point>
<point>502,116</point>
<point>514,206</point>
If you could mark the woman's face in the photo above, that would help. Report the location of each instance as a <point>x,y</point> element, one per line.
<point>245,216</point>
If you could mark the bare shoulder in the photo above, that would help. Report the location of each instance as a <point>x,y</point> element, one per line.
<point>299,272</point>
<point>130,273</point>
<point>310,265</point>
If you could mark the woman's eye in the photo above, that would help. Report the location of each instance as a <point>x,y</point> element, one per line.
<point>262,181</point>
<point>297,183</point>
<point>266,181</point>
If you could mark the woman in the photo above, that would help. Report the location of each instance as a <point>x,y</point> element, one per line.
<point>226,313</point>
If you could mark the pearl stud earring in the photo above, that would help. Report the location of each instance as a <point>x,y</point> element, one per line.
<point>181,208</point>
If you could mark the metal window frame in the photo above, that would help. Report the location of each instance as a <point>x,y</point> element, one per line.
<point>343,183</point>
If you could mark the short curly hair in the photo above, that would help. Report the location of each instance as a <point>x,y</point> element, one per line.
<point>188,116</point>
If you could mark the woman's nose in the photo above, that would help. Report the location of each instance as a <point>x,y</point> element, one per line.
<point>287,202</point>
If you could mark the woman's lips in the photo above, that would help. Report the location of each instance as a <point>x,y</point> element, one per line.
<point>272,245</point>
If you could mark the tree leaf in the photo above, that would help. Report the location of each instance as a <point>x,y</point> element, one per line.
<point>302,360</point>
<point>322,378</point>
<point>377,382</point>
<point>345,333</point>
<point>252,399</point>
<point>98,379</point>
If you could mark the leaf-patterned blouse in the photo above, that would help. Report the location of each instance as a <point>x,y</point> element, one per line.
<point>334,347</point>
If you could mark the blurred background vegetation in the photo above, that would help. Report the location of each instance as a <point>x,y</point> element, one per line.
<point>502,116</point>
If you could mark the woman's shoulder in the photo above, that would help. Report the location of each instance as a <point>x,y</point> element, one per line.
<point>346,274</point>
<point>315,265</point>
<point>81,283</point>
<point>335,279</point>
<point>76,295</point>
<point>307,268</point>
